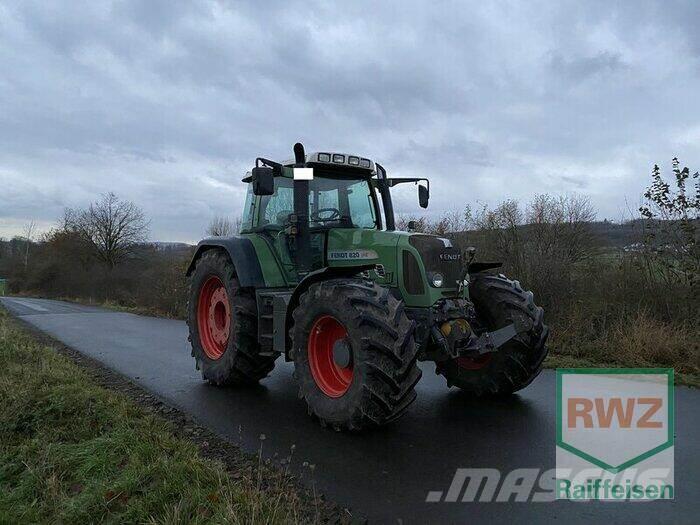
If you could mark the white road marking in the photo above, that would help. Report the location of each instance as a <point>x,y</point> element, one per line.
<point>30,305</point>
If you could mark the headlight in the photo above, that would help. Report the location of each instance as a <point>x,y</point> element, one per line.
<point>437,280</point>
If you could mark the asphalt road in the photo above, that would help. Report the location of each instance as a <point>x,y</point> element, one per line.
<point>386,474</point>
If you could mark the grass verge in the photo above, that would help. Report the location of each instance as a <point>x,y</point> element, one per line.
<point>633,339</point>
<point>72,451</point>
<point>117,307</point>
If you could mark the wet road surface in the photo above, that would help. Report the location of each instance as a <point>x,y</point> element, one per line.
<point>384,474</point>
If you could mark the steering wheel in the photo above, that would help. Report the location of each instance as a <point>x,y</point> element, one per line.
<point>334,215</point>
<point>282,217</point>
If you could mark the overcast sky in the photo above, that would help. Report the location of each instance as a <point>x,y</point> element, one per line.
<point>168,103</point>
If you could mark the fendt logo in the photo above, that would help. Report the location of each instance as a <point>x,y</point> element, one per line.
<point>615,433</point>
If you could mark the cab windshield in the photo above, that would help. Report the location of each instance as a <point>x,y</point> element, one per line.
<point>333,202</point>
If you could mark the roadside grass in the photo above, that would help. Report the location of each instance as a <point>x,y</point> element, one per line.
<point>74,452</point>
<point>611,314</point>
<point>635,339</point>
<point>117,306</point>
<point>176,311</point>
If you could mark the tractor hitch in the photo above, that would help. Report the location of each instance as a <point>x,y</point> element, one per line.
<point>455,339</point>
<point>489,341</point>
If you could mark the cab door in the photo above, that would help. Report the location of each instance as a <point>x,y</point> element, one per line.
<point>272,223</point>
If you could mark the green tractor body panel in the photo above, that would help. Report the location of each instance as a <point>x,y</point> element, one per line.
<point>350,247</point>
<point>270,263</point>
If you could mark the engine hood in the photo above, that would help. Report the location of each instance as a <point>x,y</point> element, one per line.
<point>405,261</point>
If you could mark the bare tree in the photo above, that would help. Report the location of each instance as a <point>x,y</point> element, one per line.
<point>502,232</point>
<point>29,230</point>
<point>112,227</point>
<point>420,224</point>
<point>575,232</point>
<point>450,223</point>
<point>221,226</point>
<point>559,227</point>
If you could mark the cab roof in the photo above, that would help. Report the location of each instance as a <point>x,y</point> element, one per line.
<point>333,160</point>
<point>331,164</point>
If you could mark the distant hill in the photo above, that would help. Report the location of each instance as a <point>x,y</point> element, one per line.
<point>607,234</point>
<point>618,235</point>
<point>165,245</point>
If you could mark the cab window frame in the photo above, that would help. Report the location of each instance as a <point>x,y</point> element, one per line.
<point>257,212</point>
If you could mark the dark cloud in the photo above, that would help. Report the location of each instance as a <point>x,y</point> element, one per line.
<point>579,69</point>
<point>167,103</point>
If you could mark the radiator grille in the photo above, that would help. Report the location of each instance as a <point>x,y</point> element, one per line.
<point>412,279</point>
<point>439,256</point>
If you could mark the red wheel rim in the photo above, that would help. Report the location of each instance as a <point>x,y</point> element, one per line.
<point>332,379</point>
<point>474,363</point>
<point>213,317</point>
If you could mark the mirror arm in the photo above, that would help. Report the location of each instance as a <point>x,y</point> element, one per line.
<point>276,166</point>
<point>401,180</point>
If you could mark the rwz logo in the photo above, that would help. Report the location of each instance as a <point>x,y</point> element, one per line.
<point>619,421</point>
<point>605,410</point>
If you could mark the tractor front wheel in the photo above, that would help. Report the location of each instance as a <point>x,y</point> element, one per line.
<point>499,302</point>
<point>223,325</point>
<point>354,354</point>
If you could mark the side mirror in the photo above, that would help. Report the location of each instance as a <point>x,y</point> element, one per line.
<point>423,196</point>
<point>263,181</point>
<point>411,226</point>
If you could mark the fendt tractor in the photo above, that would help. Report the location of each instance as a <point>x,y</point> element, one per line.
<point>320,275</point>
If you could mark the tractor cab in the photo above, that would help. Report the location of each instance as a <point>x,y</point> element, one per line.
<point>305,210</point>
<point>333,202</point>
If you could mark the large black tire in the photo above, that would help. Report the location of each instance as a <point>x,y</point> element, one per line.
<point>382,347</point>
<point>240,362</point>
<point>499,302</point>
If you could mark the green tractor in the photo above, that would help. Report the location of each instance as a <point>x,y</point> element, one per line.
<point>320,275</point>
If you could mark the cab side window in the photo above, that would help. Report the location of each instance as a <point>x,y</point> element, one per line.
<point>361,205</point>
<point>248,210</point>
<point>275,209</point>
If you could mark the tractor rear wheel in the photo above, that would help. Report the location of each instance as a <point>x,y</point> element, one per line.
<point>223,325</point>
<point>354,354</point>
<point>499,302</point>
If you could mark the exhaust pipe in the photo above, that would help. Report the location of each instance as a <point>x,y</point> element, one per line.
<point>301,212</point>
<point>299,154</point>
